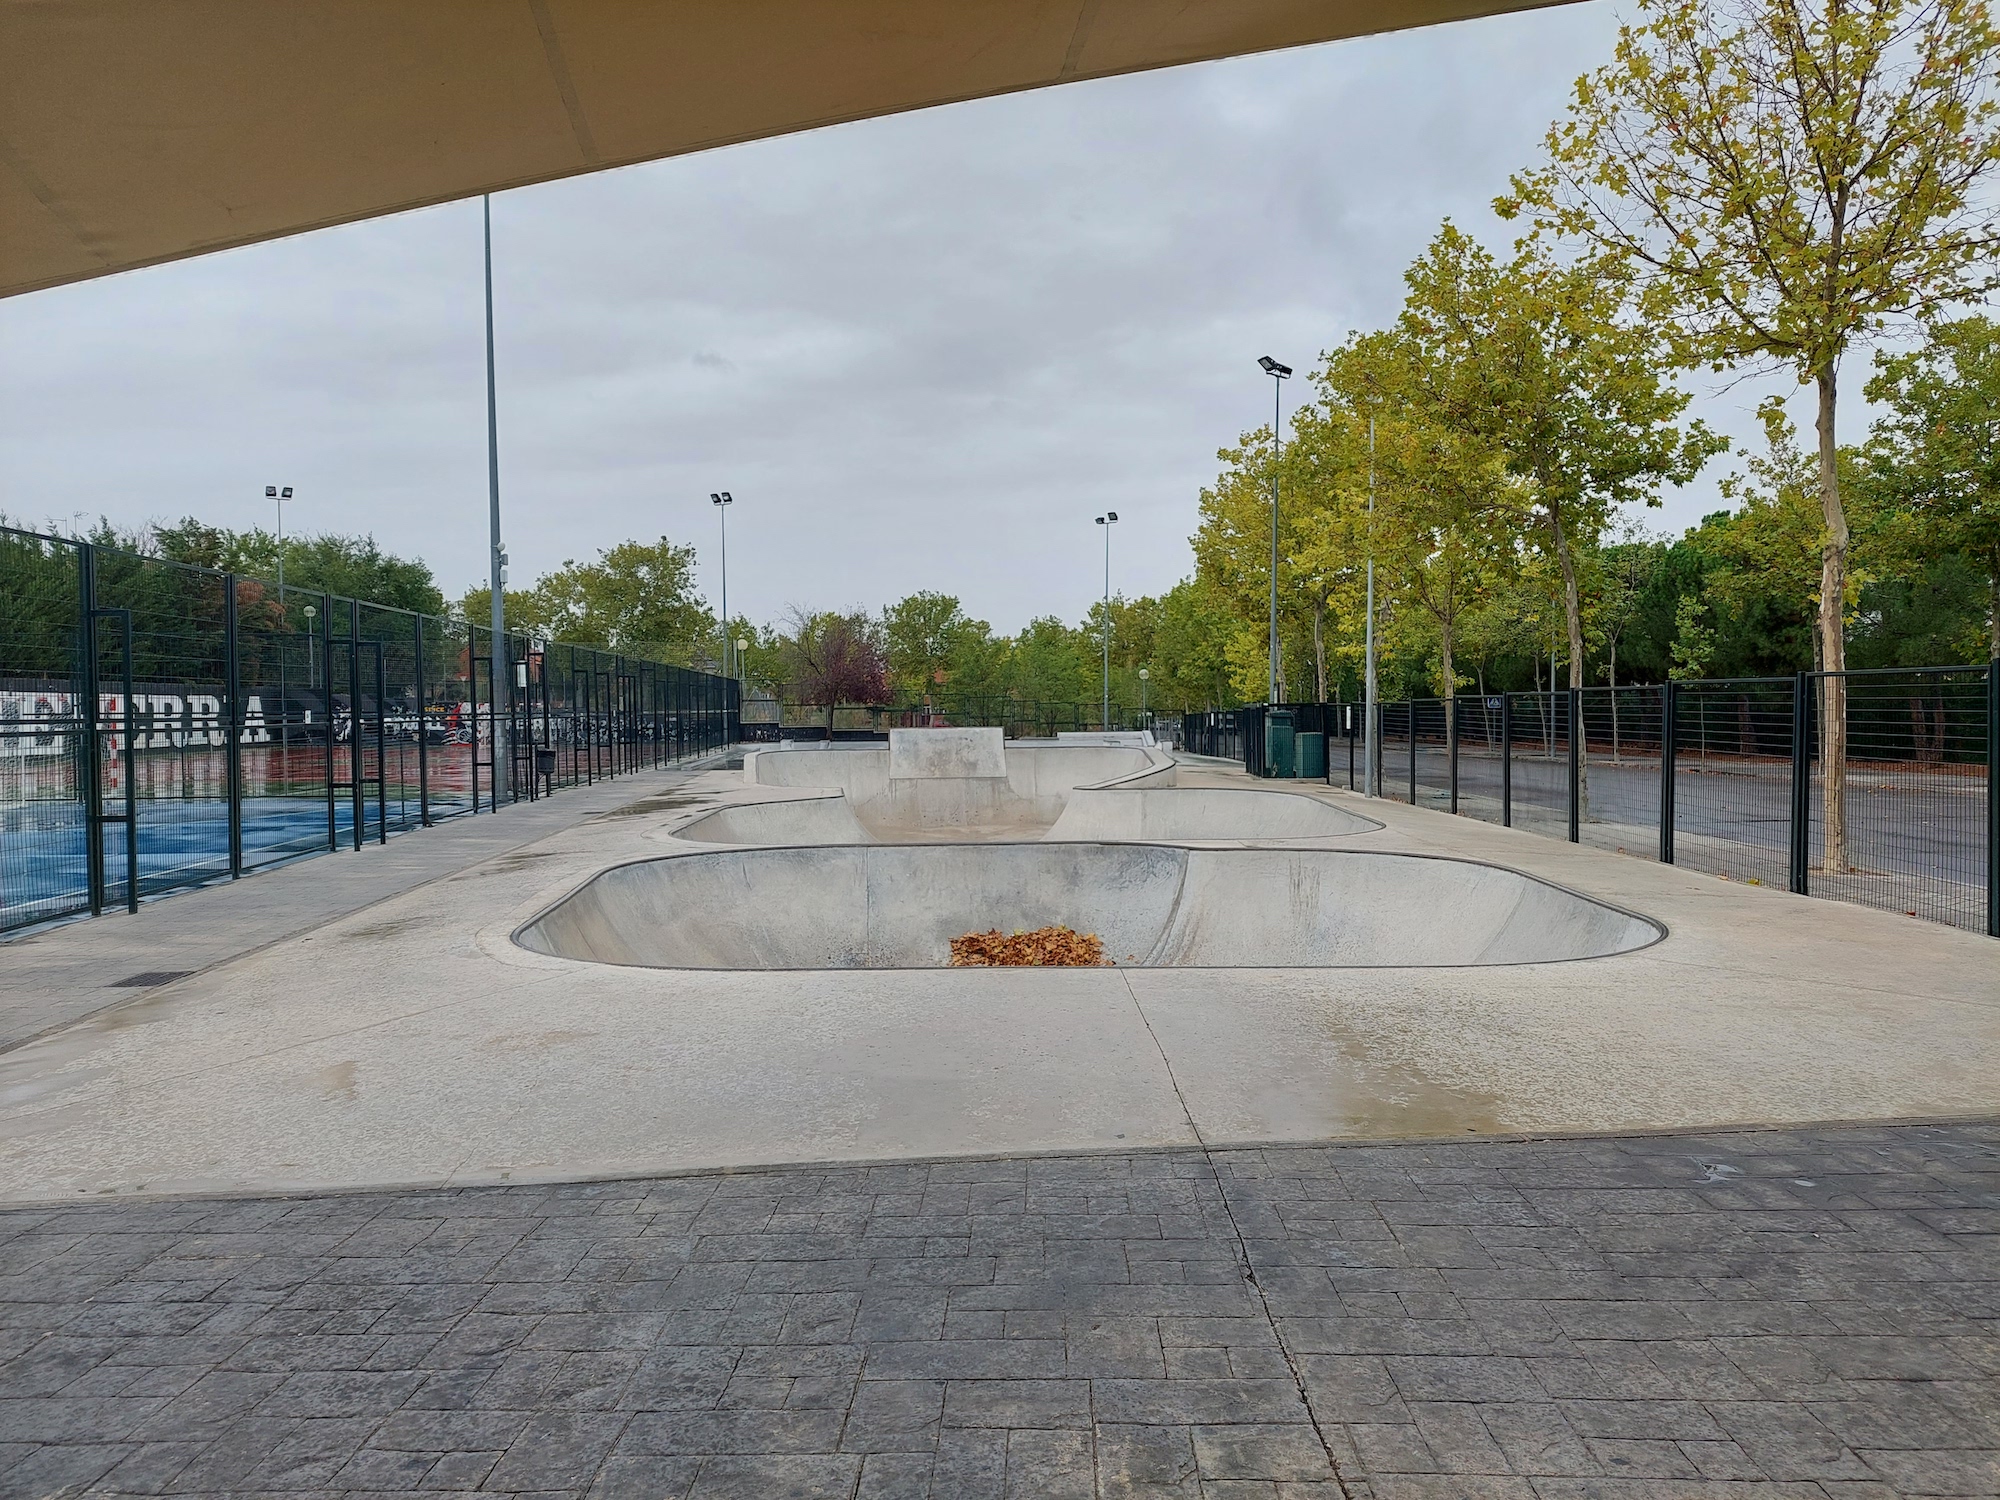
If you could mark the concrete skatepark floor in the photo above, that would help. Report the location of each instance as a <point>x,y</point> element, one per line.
<point>1800,1311</point>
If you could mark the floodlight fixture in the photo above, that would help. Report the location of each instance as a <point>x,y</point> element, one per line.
<point>1273,368</point>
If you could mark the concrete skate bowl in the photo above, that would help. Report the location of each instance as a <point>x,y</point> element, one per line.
<point>1058,793</point>
<point>886,906</point>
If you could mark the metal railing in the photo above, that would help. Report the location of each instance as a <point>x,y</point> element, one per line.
<point>1722,775</point>
<point>163,726</point>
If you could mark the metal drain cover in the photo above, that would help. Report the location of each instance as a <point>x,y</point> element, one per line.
<point>149,979</point>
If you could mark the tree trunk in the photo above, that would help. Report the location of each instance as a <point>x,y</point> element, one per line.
<point>1573,618</point>
<point>1832,638</point>
<point>1319,649</point>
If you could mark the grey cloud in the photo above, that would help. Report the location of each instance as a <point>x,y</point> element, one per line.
<point>921,351</point>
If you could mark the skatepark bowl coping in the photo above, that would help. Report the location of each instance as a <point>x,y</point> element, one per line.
<point>897,906</point>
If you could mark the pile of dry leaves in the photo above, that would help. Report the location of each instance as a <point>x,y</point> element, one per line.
<point>1045,947</point>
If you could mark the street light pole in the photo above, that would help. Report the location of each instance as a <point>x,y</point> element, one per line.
<point>1108,520</point>
<point>278,497</point>
<point>722,500</point>
<point>1145,673</point>
<point>502,682</point>
<point>1372,778</point>
<point>1279,375</point>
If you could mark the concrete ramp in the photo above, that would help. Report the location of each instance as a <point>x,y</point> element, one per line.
<point>934,785</point>
<point>1173,814</point>
<point>899,906</point>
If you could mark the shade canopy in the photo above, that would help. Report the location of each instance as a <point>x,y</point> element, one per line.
<point>139,131</point>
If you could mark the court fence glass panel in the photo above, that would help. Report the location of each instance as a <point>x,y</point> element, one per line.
<point>165,726</point>
<point>1727,776</point>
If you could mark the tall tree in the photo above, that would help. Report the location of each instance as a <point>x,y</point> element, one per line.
<point>833,658</point>
<point>1790,175</point>
<point>920,636</point>
<point>1936,450</point>
<point>1548,364</point>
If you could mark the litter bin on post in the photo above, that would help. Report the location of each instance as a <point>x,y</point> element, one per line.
<point>1280,758</point>
<point>1312,757</point>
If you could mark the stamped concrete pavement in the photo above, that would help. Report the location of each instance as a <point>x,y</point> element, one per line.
<point>1805,1314</point>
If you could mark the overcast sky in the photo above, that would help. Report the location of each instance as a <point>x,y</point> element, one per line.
<point>922,352</point>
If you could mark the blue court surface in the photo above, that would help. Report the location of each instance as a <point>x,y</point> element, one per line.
<point>44,860</point>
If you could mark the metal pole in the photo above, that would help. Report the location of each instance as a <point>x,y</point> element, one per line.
<point>232,718</point>
<point>92,778</point>
<point>1277,407</point>
<point>1575,696</point>
<point>1410,727</point>
<point>497,562</point>
<point>131,772</point>
<point>1106,721</point>
<point>1452,736</point>
<point>1371,752</point>
<point>423,729</point>
<point>358,798</point>
<point>1506,760</point>
<point>1669,732</point>
<point>1801,780</point>
<point>1993,798</point>
<point>723,511</point>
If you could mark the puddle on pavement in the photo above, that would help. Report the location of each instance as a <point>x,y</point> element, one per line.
<point>660,802</point>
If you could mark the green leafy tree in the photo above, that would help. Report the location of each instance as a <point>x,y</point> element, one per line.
<point>353,567</point>
<point>920,635</point>
<point>1936,450</point>
<point>1546,363</point>
<point>1790,177</point>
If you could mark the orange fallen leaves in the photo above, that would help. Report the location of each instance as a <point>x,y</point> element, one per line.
<point>1045,947</point>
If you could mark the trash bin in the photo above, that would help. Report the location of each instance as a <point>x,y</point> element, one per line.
<point>1279,743</point>
<point>1312,757</point>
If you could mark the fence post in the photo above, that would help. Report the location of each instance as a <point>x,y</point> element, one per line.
<point>1993,798</point>
<point>91,777</point>
<point>1801,780</point>
<point>232,720</point>
<point>423,731</point>
<point>1575,696</point>
<point>325,648</point>
<point>1410,724</point>
<point>1351,738</point>
<point>1669,733</point>
<point>1451,744</point>
<point>354,745</point>
<point>1506,760</point>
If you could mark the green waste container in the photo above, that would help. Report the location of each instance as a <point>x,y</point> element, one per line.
<point>1280,758</point>
<point>1312,757</point>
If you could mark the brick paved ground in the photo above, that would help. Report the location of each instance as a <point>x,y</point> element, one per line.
<point>1770,1314</point>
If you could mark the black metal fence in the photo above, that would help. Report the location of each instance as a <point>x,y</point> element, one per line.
<point>163,726</point>
<point>1726,776</point>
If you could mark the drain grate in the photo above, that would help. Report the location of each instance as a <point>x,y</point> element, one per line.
<point>149,979</point>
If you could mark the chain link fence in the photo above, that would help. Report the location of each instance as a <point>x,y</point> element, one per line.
<point>164,726</point>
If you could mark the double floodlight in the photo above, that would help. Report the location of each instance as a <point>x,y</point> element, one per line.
<point>1272,367</point>
<point>720,497</point>
<point>272,492</point>
<point>1107,518</point>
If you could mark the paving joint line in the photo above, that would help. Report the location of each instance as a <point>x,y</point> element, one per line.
<point>1243,1262</point>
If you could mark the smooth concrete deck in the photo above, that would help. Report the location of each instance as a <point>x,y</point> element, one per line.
<point>414,1042</point>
